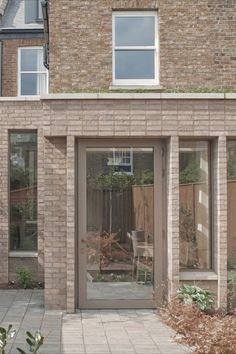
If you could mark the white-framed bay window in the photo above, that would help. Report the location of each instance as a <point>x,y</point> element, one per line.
<point>32,74</point>
<point>135,48</point>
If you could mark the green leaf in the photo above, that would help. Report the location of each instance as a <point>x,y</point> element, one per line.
<point>21,351</point>
<point>30,342</point>
<point>29,335</point>
<point>9,328</point>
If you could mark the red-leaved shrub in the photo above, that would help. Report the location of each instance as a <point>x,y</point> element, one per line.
<point>206,333</point>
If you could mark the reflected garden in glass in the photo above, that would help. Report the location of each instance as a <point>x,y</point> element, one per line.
<point>120,223</point>
<point>23,191</point>
<point>195,235</point>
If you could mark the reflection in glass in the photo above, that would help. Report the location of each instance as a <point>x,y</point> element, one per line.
<point>231,173</point>
<point>135,31</point>
<point>119,223</point>
<point>195,241</point>
<point>23,191</point>
<point>135,64</point>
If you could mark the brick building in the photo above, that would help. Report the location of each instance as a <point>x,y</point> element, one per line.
<point>118,164</point>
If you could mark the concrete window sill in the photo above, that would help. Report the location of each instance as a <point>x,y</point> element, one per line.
<point>194,275</point>
<point>23,254</point>
<point>141,87</point>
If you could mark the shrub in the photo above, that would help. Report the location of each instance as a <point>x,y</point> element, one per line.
<point>190,294</point>
<point>191,173</point>
<point>5,335</point>
<point>24,276</point>
<point>232,290</point>
<point>34,341</point>
<point>206,333</point>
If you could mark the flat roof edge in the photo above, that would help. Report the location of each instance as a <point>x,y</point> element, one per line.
<point>123,96</point>
<point>137,96</point>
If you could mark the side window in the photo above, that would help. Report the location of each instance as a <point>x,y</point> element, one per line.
<point>32,75</point>
<point>135,48</point>
<point>33,11</point>
<point>195,202</point>
<point>23,191</point>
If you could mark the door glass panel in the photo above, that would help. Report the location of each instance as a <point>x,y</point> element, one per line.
<point>120,223</point>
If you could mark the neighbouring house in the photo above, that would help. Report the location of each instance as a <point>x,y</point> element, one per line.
<point>118,148</point>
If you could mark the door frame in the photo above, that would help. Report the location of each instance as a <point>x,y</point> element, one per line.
<point>159,257</point>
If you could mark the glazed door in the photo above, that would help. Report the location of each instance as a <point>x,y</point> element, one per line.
<point>120,248</point>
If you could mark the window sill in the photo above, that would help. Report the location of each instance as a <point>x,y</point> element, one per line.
<point>23,254</point>
<point>198,275</point>
<point>135,87</point>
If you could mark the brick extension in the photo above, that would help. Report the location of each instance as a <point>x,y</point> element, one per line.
<point>61,122</point>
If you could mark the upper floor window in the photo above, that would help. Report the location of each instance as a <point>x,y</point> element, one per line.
<point>135,48</point>
<point>33,11</point>
<point>32,76</point>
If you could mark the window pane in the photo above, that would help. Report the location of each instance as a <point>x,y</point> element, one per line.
<point>30,11</point>
<point>231,152</point>
<point>195,242</point>
<point>42,83</point>
<point>40,15</point>
<point>32,59</point>
<point>135,64</point>
<point>33,84</point>
<point>135,31</point>
<point>120,224</point>
<point>29,84</point>
<point>23,191</point>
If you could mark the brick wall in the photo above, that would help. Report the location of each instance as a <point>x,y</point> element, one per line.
<point>19,115</point>
<point>55,223</point>
<point>10,63</point>
<point>197,42</point>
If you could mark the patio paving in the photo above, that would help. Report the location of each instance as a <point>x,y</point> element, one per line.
<point>88,331</point>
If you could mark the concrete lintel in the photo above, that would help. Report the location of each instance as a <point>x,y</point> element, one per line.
<point>230,95</point>
<point>132,95</point>
<point>23,254</point>
<point>20,98</point>
<point>193,96</point>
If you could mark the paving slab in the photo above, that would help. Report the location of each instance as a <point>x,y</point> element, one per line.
<point>87,331</point>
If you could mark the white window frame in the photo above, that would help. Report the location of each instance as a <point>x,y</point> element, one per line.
<point>135,82</point>
<point>29,72</point>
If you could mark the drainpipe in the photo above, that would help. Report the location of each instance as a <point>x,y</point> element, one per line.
<point>45,5</point>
